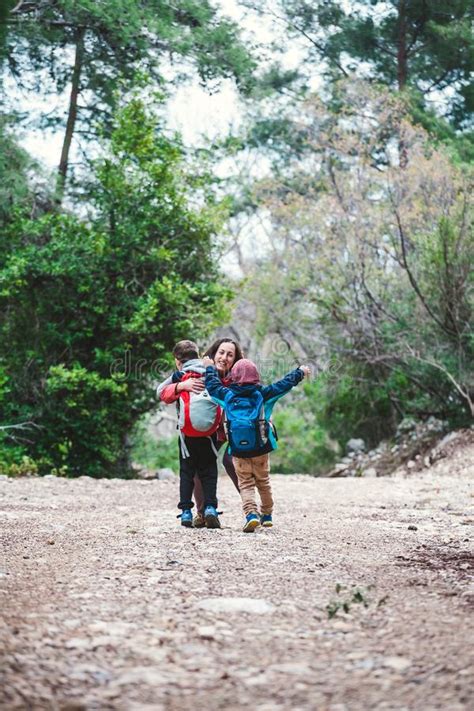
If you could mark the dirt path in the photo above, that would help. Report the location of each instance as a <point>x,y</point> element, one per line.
<point>105,598</point>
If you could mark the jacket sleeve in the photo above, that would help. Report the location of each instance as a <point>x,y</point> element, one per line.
<point>163,385</point>
<point>173,378</point>
<point>169,394</point>
<point>167,389</point>
<point>281,387</point>
<point>213,384</point>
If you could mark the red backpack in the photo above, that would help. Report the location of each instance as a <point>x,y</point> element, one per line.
<point>199,416</point>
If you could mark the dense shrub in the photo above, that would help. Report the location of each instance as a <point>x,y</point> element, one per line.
<point>91,308</point>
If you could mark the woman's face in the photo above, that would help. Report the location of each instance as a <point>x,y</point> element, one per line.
<point>225,357</point>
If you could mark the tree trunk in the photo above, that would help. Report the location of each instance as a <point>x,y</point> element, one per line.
<point>72,116</point>
<point>402,71</point>
<point>402,68</point>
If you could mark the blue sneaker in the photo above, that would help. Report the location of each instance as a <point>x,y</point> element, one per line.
<point>186,518</point>
<point>211,517</point>
<point>252,520</point>
<point>266,520</point>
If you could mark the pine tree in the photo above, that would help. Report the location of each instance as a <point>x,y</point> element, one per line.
<point>109,43</point>
<point>425,46</point>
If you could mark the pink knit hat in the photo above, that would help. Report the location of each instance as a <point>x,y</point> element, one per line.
<point>245,372</point>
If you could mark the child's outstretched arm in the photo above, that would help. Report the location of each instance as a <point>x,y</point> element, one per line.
<point>213,383</point>
<point>285,384</point>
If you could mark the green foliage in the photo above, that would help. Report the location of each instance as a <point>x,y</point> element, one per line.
<point>416,48</point>
<point>279,135</point>
<point>85,418</point>
<point>5,8</point>
<point>118,40</point>
<point>304,445</point>
<point>154,454</point>
<point>414,44</point>
<point>91,309</point>
<point>339,403</point>
<point>370,275</point>
<point>347,403</point>
<point>442,132</point>
<point>354,596</point>
<point>14,463</point>
<point>14,165</point>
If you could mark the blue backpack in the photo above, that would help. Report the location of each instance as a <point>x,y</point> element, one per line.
<point>246,425</point>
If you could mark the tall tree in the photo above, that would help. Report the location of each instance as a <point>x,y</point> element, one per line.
<point>90,310</point>
<point>110,42</point>
<point>5,9</point>
<point>372,262</point>
<point>424,45</point>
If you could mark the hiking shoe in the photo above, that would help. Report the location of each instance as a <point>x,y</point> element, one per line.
<point>198,520</point>
<point>186,518</point>
<point>211,518</point>
<point>266,520</point>
<point>252,520</point>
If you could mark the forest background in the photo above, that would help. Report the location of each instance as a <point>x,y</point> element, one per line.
<point>331,225</point>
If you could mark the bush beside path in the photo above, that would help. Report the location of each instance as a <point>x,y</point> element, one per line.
<point>360,597</point>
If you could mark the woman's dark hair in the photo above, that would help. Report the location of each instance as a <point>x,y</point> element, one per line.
<point>212,350</point>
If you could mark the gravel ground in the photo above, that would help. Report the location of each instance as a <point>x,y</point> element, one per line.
<point>107,603</point>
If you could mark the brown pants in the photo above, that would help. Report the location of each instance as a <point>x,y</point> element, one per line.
<point>251,473</point>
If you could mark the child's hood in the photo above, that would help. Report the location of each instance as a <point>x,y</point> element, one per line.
<point>195,365</point>
<point>245,372</point>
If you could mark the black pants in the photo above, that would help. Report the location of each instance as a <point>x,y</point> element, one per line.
<point>202,462</point>
<point>230,469</point>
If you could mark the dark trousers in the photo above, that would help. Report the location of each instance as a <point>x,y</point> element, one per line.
<point>230,469</point>
<point>202,464</point>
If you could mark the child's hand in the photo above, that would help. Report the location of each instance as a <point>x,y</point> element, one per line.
<point>306,370</point>
<point>207,361</point>
<point>194,385</point>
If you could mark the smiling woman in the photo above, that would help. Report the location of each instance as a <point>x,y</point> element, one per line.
<point>224,352</point>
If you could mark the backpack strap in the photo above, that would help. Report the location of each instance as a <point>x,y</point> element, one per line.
<point>182,443</point>
<point>185,451</point>
<point>225,423</point>
<point>262,422</point>
<point>268,408</point>
<point>213,446</point>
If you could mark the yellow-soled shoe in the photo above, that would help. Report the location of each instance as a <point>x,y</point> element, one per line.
<point>252,521</point>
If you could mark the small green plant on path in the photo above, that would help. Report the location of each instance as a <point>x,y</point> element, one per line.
<point>353,596</point>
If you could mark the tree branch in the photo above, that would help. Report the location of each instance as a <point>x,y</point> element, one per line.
<point>411,277</point>
<point>463,392</point>
<point>437,81</point>
<point>303,32</point>
<point>18,7</point>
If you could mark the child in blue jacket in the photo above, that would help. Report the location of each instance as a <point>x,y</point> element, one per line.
<point>248,405</point>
